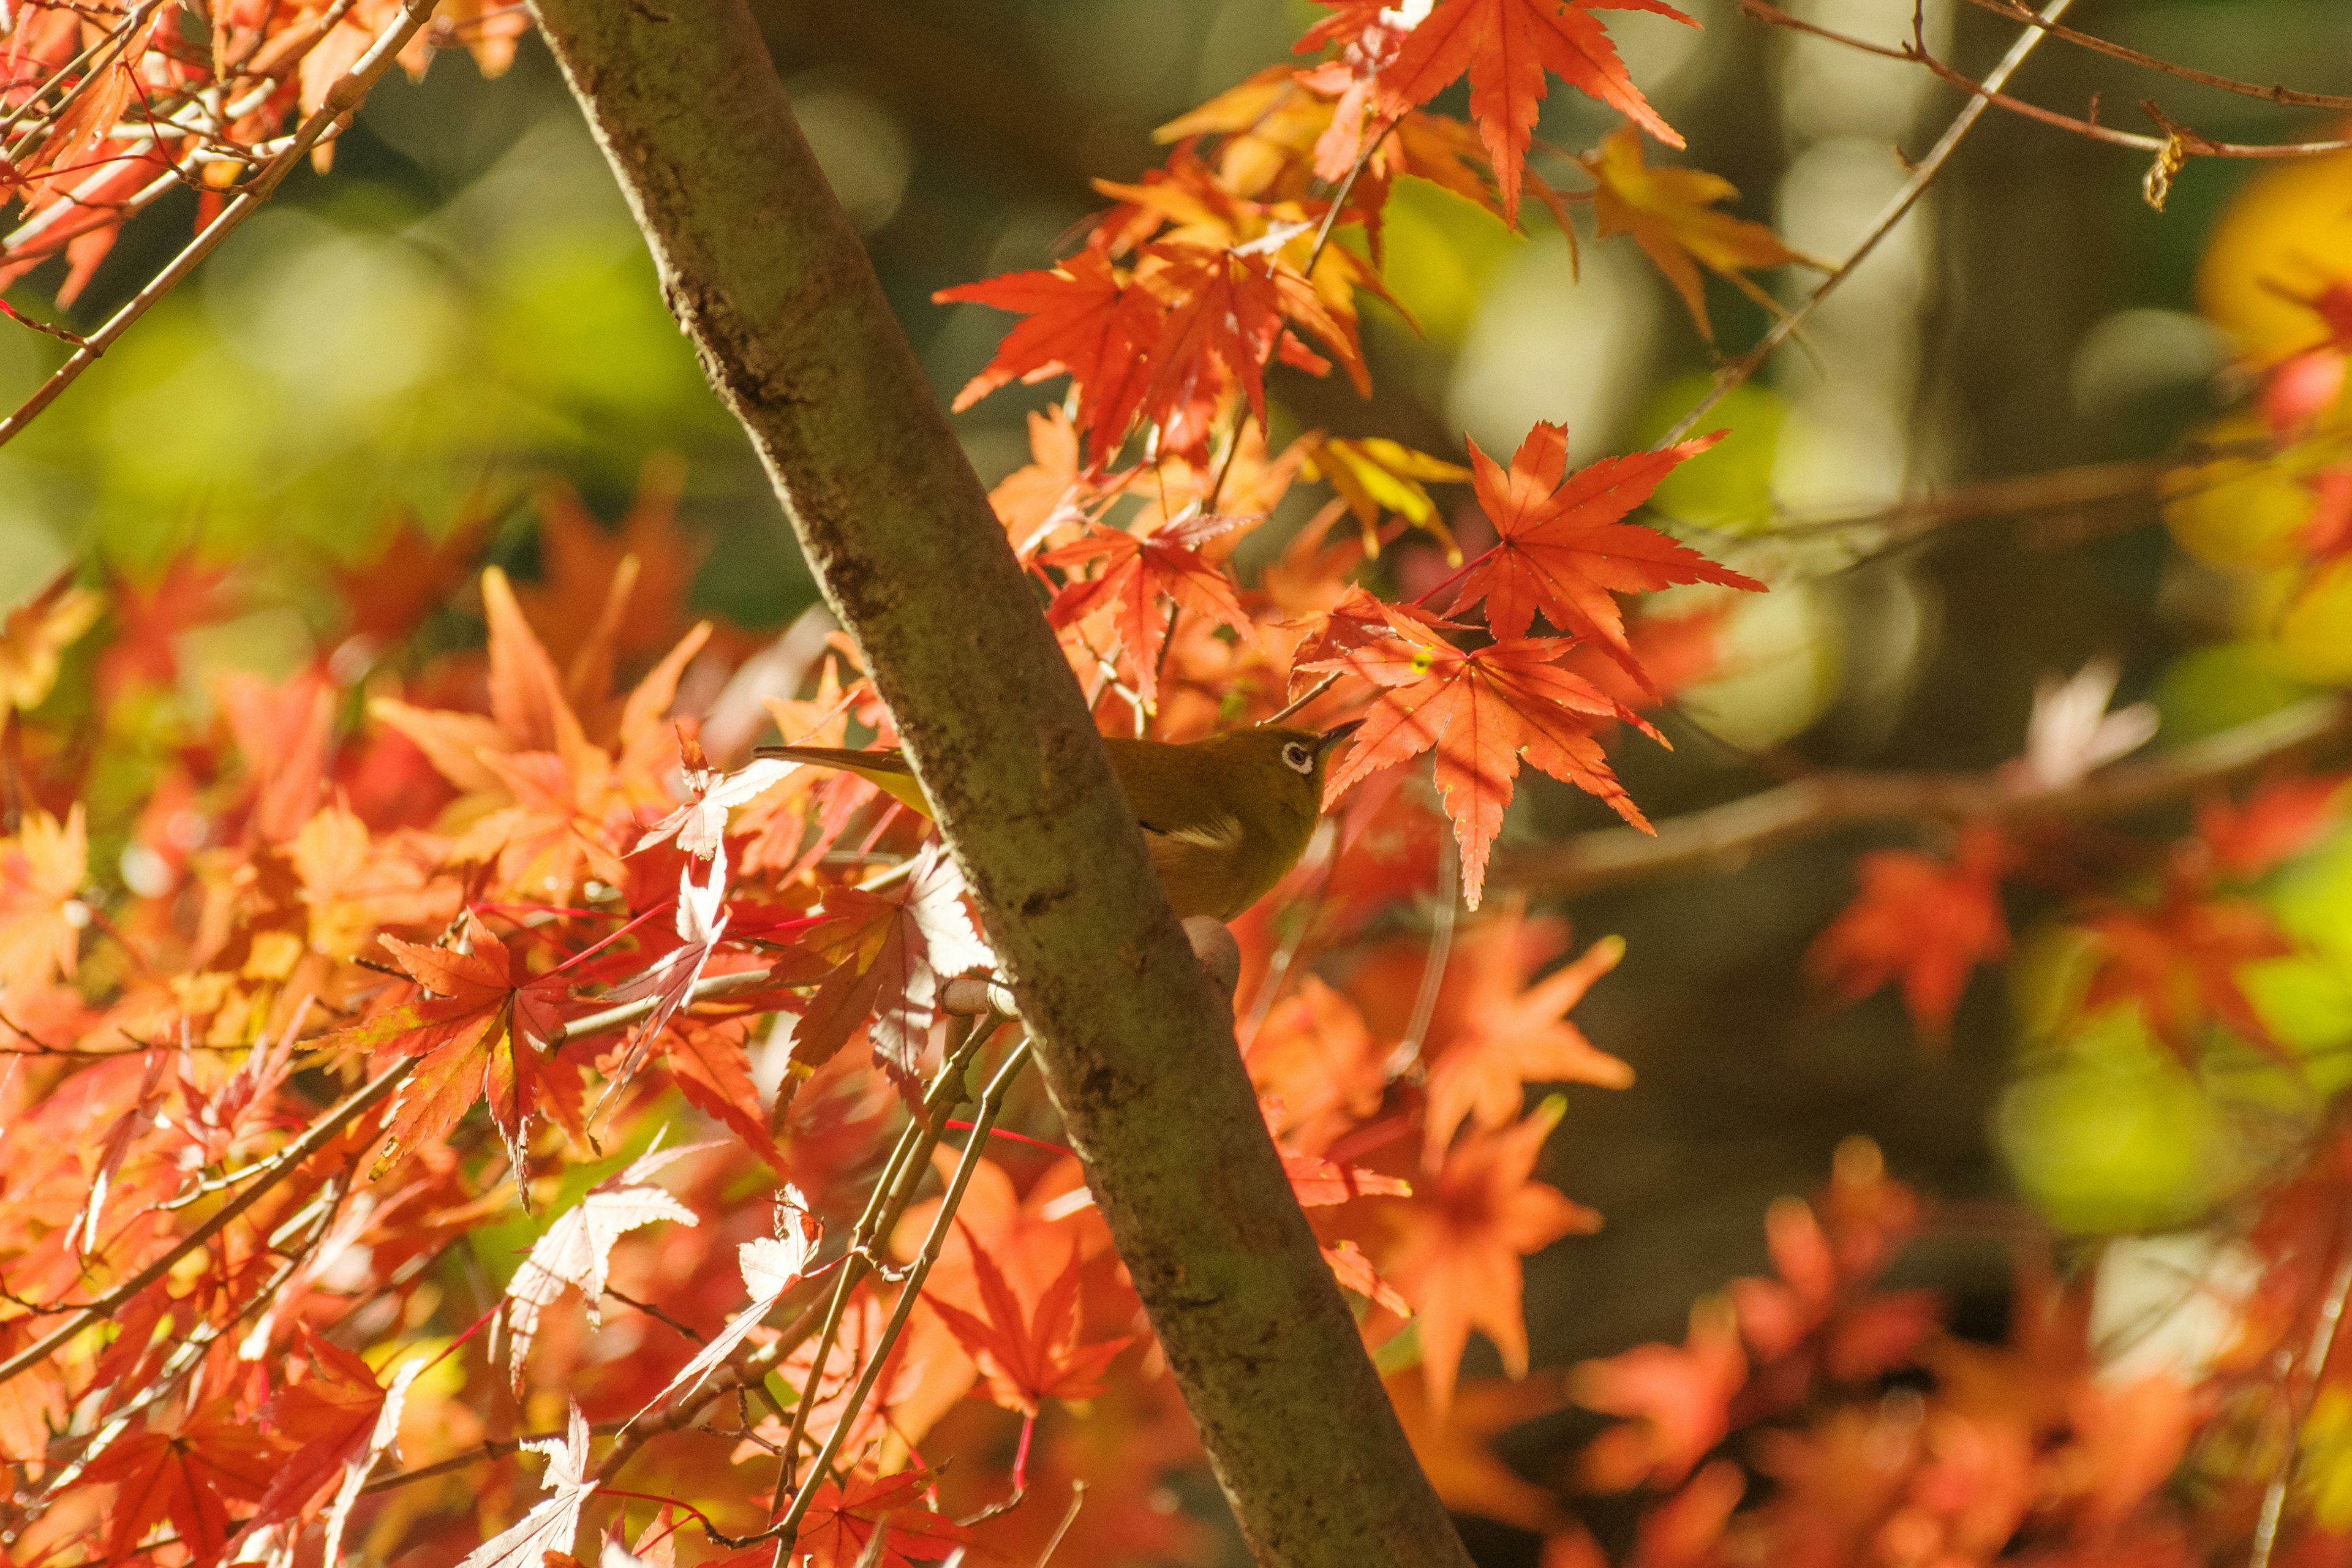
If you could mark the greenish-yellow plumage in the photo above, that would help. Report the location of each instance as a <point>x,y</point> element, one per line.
<point>1223,817</point>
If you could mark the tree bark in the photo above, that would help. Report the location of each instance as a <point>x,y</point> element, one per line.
<point>769,279</point>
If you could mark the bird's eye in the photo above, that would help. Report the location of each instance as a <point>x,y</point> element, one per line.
<point>1299,759</point>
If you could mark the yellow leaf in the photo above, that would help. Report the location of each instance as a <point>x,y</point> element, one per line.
<point>1375,475</point>
<point>36,634</point>
<point>2283,236</point>
<point>1670,214</point>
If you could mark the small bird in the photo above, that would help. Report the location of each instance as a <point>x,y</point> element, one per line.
<point>1223,817</point>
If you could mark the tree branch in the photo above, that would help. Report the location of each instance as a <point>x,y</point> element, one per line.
<point>1728,835</point>
<point>2284,95</point>
<point>768,277</point>
<point>317,1136</point>
<point>344,100</point>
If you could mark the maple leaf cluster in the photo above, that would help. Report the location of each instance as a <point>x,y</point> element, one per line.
<point>400,1101</point>
<point>113,106</point>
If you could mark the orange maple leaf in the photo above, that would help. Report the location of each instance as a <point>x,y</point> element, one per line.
<point>1480,711</point>
<point>1463,1233</point>
<point>1140,572</point>
<point>1676,1399</point>
<point>2180,960</point>
<point>1515,1039</point>
<point>1086,317</point>
<point>148,622</point>
<point>1670,214</point>
<point>481,1029</point>
<point>41,914</point>
<point>34,639</point>
<point>1560,548</point>
<point>1926,920</point>
<point>1506,46</point>
<point>1029,1357</point>
<point>2278,822</point>
<point>843,1520</point>
<point>187,1477</point>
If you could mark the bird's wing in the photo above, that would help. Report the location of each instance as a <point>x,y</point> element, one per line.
<point>886,769</point>
<point>1196,862</point>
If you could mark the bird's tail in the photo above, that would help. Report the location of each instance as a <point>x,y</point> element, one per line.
<point>885,768</point>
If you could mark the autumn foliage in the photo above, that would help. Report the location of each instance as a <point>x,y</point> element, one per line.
<point>458,1108</point>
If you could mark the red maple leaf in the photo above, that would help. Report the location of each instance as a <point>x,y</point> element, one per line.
<point>1676,1399</point>
<point>328,1417</point>
<point>187,1477</point>
<point>842,1520</point>
<point>1086,317</point>
<point>1140,572</point>
<point>480,1029</point>
<point>1480,713</point>
<point>1226,310</point>
<point>1515,1039</point>
<point>1029,1357</point>
<point>148,623</point>
<point>1506,46</point>
<point>1926,920</point>
<point>2275,825</point>
<point>1463,1234</point>
<point>412,575</point>
<point>2180,961</point>
<point>1560,548</point>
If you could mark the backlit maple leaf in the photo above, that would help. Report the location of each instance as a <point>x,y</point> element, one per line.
<point>1506,46</point>
<point>42,916</point>
<point>149,621</point>
<point>2275,825</point>
<point>771,1266</point>
<point>1676,1400</point>
<point>1461,1237</point>
<point>481,1029</point>
<point>35,635</point>
<point>1481,712</point>
<point>1140,572</point>
<point>843,1520</point>
<point>2179,963</point>
<point>187,1477</point>
<point>576,1248</point>
<point>553,1523</point>
<point>1927,922</point>
<point>1086,317</point>
<point>890,950</point>
<point>1562,551</point>
<point>1514,1040</point>
<point>1030,1356</point>
<point>1670,214</point>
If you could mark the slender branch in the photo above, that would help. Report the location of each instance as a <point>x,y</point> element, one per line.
<point>342,100</point>
<point>1825,802</point>
<point>2180,139</point>
<point>2285,95</point>
<point>1731,375</point>
<point>991,1101</point>
<point>2325,1321</point>
<point>317,1136</point>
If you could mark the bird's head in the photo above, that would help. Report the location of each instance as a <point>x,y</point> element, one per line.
<point>1307,753</point>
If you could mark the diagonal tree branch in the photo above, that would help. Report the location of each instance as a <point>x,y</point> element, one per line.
<point>1725,836</point>
<point>768,277</point>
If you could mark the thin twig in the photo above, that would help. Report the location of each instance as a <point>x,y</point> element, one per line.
<point>1924,176</point>
<point>2284,95</point>
<point>1824,802</point>
<point>342,100</point>
<point>2314,1366</point>
<point>991,1101</point>
<point>317,1136</point>
<point>2182,140</point>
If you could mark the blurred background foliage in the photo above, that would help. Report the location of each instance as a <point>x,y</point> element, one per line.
<point>464,311</point>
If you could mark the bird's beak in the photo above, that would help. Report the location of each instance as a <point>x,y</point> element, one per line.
<point>1335,734</point>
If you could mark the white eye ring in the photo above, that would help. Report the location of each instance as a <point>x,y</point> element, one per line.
<point>1299,759</point>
